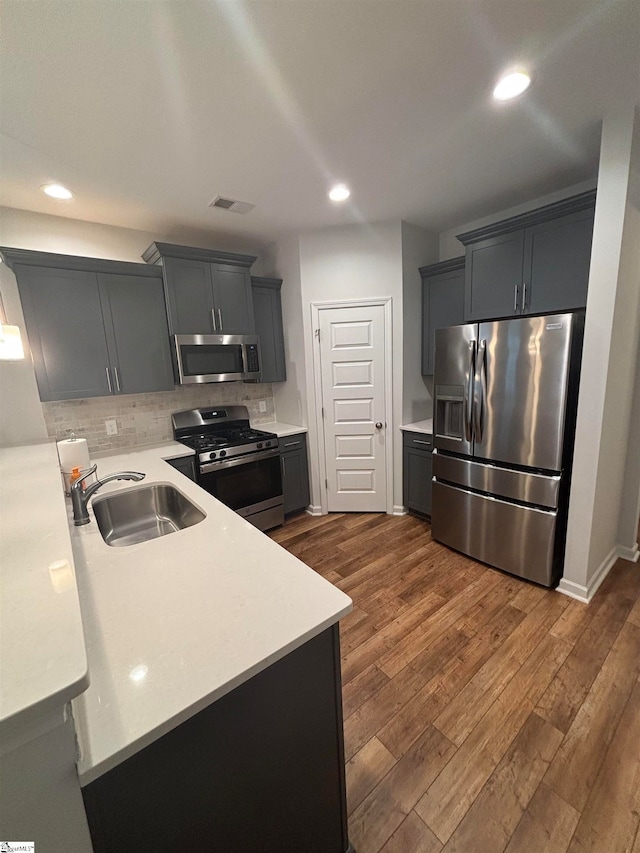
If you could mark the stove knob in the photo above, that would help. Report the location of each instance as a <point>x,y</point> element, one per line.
<point>212,456</point>
<point>259,445</point>
<point>267,444</point>
<point>223,453</point>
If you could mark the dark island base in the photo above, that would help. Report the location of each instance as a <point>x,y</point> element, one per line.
<point>259,771</point>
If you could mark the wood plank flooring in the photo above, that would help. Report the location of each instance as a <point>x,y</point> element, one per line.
<point>481,713</point>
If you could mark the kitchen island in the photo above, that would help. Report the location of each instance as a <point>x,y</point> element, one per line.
<point>197,641</point>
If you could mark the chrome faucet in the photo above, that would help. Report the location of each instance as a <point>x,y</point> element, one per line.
<point>80,498</point>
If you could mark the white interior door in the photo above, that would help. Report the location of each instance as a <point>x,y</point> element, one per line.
<point>352,363</point>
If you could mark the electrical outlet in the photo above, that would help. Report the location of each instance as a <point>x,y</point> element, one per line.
<point>262,405</point>
<point>112,427</point>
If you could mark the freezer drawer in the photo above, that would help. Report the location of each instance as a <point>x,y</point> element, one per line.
<point>517,539</point>
<point>540,489</point>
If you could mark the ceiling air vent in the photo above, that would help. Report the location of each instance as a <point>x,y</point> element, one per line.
<point>232,205</point>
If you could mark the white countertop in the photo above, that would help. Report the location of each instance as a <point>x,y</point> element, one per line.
<point>43,662</point>
<point>280,429</point>
<point>419,426</point>
<point>175,623</point>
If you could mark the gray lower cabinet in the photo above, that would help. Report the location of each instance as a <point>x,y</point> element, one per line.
<point>267,311</point>
<point>261,770</point>
<point>295,472</point>
<point>442,304</point>
<point>185,464</point>
<point>417,472</point>
<point>207,292</point>
<point>95,327</point>
<point>535,263</point>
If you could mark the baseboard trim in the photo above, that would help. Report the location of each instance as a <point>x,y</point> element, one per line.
<point>313,510</point>
<point>630,554</point>
<point>399,510</point>
<point>586,593</point>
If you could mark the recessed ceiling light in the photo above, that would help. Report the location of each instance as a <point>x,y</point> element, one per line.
<point>56,191</point>
<point>511,85</point>
<point>340,192</point>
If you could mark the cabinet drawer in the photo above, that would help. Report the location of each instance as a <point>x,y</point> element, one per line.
<point>292,442</point>
<point>418,440</point>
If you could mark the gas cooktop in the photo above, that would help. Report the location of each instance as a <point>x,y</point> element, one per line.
<point>220,433</point>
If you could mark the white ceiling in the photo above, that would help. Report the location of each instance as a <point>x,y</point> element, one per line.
<point>148,110</point>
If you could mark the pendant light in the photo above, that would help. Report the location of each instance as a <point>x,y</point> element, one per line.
<point>11,348</point>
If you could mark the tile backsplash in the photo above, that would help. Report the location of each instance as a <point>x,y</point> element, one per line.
<point>146,418</point>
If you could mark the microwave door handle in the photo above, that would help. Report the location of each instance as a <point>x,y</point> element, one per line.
<point>468,392</point>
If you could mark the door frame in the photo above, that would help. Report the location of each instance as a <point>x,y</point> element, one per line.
<point>386,303</point>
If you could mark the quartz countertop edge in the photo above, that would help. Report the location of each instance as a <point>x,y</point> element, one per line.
<point>419,426</point>
<point>175,623</point>
<point>280,429</point>
<point>44,662</point>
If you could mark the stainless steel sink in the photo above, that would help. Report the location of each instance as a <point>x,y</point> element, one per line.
<point>142,513</point>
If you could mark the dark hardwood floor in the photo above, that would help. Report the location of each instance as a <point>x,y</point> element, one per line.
<point>481,713</point>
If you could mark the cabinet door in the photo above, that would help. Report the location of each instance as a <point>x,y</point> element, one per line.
<point>189,296</point>
<point>137,333</point>
<point>295,472</point>
<point>493,272</point>
<point>557,258</point>
<point>417,473</point>
<point>63,315</point>
<point>442,306</point>
<point>267,310</point>
<point>232,299</point>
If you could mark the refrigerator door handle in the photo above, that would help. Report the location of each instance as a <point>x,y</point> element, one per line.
<point>468,392</point>
<point>480,390</point>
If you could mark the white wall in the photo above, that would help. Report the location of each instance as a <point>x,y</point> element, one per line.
<point>21,416</point>
<point>282,260</point>
<point>353,262</point>
<point>612,333</point>
<point>419,248</point>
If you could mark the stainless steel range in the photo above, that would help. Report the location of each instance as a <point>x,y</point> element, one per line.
<point>235,463</point>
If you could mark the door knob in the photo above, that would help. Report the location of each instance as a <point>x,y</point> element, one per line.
<point>378,425</point>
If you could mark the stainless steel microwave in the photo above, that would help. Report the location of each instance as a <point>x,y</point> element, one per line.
<point>216,358</point>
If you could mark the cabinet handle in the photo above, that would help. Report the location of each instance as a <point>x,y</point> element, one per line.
<point>282,465</point>
<point>515,297</point>
<point>291,443</point>
<point>419,441</point>
<point>213,320</point>
<point>524,295</point>
<point>220,319</point>
<point>109,380</point>
<point>117,375</point>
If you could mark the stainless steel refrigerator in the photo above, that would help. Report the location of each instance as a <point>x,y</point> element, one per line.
<point>504,424</point>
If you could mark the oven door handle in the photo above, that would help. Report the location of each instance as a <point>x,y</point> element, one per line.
<point>218,465</point>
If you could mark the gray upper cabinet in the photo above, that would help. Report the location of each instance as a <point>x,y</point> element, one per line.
<point>232,299</point>
<point>442,304</point>
<point>95,327</point>
<point>556,267</point>
<point>137,333</point>
<point>493,277</point>
<point>535,263</point>
<point>267,309</point>
<point>189,296</point>
<point>207,292</point>
<point>65,327</point>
